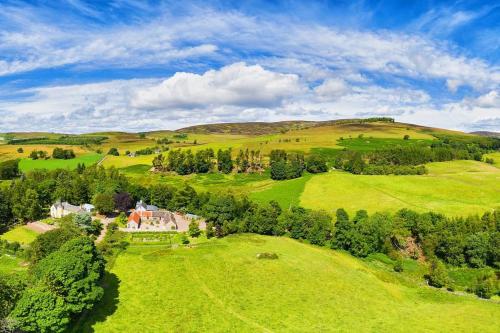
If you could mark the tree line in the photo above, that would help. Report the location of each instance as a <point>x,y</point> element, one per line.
<point>409,160</point>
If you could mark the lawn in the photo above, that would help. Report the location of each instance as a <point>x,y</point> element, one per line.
<point>453,188</point>
<point>220,286</point>
<point>287,192</point>
<point>27,164</point>
<point>20,234</point>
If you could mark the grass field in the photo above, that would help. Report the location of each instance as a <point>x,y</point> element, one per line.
<point>20,234</point>
<point>453,188</point>
<point>27,164</point>
<point>220,286</point>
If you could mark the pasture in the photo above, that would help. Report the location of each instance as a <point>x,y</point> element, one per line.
<point>220,286</point>
<point>452,188</point>
<point>88,159</point>
<point>21,234</point>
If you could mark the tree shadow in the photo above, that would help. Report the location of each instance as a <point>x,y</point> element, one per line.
<point>101,310</point>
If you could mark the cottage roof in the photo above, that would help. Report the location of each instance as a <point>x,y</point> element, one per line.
<point>144,206</point>
<point>134,217</point>
<point>67,207</point>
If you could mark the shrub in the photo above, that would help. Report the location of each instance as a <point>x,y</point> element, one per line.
<point>486,285</point>
<point>267,255</point>
<point>194,229</point>
<point>113,151</point>
<point>398,265</point>
<point>438,276</point>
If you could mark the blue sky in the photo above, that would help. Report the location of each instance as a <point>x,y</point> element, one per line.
<point>79,66</point>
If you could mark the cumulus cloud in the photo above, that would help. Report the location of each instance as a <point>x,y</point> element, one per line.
<point>236,84</point>
<point>290,71</point>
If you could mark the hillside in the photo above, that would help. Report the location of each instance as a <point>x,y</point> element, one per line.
<point>220,286</point>
<point>486,133</point>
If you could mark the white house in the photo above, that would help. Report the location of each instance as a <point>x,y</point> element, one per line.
<point>61,209</point>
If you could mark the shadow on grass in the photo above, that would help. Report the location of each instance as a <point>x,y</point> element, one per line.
<point>102,310</point>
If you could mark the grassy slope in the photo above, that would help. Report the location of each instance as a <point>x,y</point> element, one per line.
<point>453,188</point>
<point>220,286</point>
<point>20,234</point>
<point>51,164</point>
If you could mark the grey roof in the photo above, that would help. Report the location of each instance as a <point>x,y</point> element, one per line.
<point>146,207</point>
<point>68,207</point>
<point>151,208</point>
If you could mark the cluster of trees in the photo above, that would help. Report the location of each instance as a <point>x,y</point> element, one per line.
<point>113,151</point>
<point>146,151</point>
<point>63,281</point>
<point>29,197</point>
<point>74,140</point>
<point>63,154</point>
<point>291,165</point>
<point>39,154</point>
<point>61,286</point>
<point>286,165</point>
<point>9,169</point>
<point>249,161</point>
<point>184,162</point>
<point>409,160</point>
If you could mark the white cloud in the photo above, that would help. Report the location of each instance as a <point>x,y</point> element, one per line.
<point>236,84</point>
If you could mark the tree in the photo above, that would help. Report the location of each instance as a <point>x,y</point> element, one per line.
<point>477,249</point>
<point>113,151</point>
<point>9,169</point>
<point>210,230</point>
<point>406,137</point>
<point>40,310</point>
<point>224,161</point>
<point>194,229</point>
<point>63,154</point>
<point>104,203</point>
<point>28,208</point>
<point>316,164</point>
<point>83,221</point>
<point>11,288</point>
<point>34,155</point>
<point>486,285</point>
<point>121,219</point>
<point>65,283</point>
<point>73,272</point>
<point>343,231</point>
<point>5,212</point>
<point>50,241</point>
<point>123,201</point>
<point>278,170</point>
<point>438,276</point>
<point>161,195</point>
<point>20,150</point>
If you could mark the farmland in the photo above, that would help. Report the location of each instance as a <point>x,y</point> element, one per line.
<point>51,164</point>
<point>220,286</point>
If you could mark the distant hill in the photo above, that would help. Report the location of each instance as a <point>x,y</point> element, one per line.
<point>260,128</point>
<point>488,134</point>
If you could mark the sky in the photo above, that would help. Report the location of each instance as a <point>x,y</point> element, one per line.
<point>80,66</point>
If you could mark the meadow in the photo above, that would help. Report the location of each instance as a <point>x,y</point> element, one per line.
<point>220,286</point>
<point>452,188</point>
<point>88,159</point>
<point>21,234</point>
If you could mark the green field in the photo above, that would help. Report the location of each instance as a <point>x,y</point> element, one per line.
<point>453,188</point>
<point>220,286</point>
<point>27,164</point>
<point>20,234</point>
